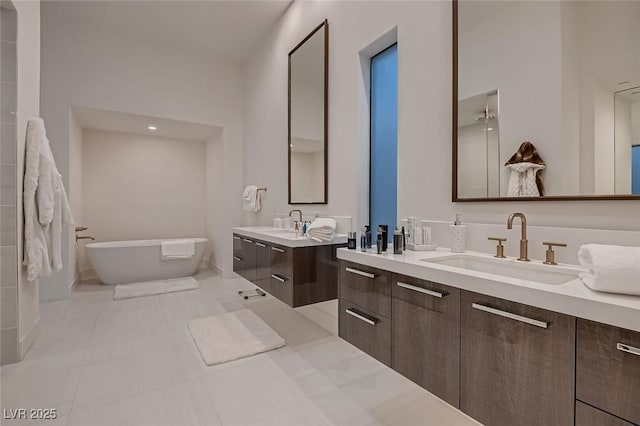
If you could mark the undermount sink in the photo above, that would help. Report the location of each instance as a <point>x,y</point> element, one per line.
<point>545,274</point>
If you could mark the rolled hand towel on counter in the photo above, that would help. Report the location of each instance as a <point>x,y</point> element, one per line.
<point>611,269</point>
<point>177,249</point>
<point>322,229</point>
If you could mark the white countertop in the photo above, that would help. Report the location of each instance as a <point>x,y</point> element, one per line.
<point>571,298</point>
<point>285,237</point>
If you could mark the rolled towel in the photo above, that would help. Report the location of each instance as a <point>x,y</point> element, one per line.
<point>322,229</point>
<point>611,269</point>
<point>177,249</point>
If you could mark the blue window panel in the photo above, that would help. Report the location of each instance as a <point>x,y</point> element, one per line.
<point>635,170</point>
<point>383,179</point>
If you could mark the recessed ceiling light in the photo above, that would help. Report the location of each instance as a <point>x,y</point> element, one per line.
<point>489,128</point>
<point>623,82</point>
<point>152,128</point>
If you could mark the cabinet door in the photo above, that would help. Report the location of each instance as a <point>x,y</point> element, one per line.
<point>238,257</point>
<point>608,370</point>
<point>366,286</point>
<point>263,266</point>
<point>282,260</point>
<point>281,287</point>
<point>365,330</point>
<point>586,415</point>
<point>426,335</point>
<point>249,259</point>
<point>517,363</point>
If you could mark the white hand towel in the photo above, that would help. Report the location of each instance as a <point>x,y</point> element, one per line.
<point>612,269</point>
<point>177,249</point>
<point>251,199</point>
<point>322,229</point>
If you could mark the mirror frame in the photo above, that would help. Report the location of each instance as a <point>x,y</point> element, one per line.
<point>325,25</point>
<point>454,147</point>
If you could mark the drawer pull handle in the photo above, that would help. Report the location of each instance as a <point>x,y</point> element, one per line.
<point>628,349</point>
<point>358,272</point>
<point>237,258</point>
<point>279,250</point>
<point>509,315</point>
<point>260,244</point>
<point>236,238</point>
<point>275,277</point>
<point>420,289</point>
<point>361,317</point>
<point>247,241</point>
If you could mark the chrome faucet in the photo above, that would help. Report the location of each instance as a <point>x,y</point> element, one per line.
<point>523,239</point>
<point>298,222</point>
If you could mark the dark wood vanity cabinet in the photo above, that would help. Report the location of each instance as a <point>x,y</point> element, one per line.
<point>608,370</point>
<point>426,335</point>
<point>364,315</point>
<point>249,259</point>
<point>263,266</point>
<point>587,415</point>
<point>517,363</point>
<point>238,263</point>
<point>297,276</point>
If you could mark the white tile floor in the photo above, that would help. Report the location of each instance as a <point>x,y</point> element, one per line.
<point>133,362</point>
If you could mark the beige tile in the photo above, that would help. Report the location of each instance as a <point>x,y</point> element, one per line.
<point>9,347</point>
<point>8,196</point>
<point>8,266</point>
<point>8,103</point>
<point>9,25</point>
<point>8,144</point>
<point>8,175</point>
<point>8,225</point>
<point>8,69</point>
<point>8,307</point>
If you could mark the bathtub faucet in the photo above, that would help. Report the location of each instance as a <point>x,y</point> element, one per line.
<point>78,237</point>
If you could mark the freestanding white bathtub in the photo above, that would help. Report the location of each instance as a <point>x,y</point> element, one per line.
<point>123,262</point>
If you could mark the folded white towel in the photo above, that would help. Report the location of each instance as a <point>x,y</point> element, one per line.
<point>611,269</point>
<point>251,199</point>
<point>322,229</point>
<point>177,249</point>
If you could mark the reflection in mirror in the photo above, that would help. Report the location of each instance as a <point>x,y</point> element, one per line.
<point>565,73</point>
<point>479,146</point>
<point>307,119</point>
<point>627,141</point>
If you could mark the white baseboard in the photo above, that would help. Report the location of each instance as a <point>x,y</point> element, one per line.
<point>26,342</point>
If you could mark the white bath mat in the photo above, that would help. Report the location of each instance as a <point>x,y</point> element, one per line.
<point>227,337</point>
<point>151,288</point>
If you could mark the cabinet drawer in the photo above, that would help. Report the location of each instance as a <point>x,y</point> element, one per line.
<point>517,363</point>
<point>282,260</point>
<point>608,369</point>
<point>586,415</point>
<point>281,287</point>
<point>365,330</point>
<point>426,335</point>
<point>365,286</point>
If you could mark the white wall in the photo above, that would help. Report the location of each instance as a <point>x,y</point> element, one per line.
<point>28,106</point>
<point>142,187</point>
<point>85,67</point>
<point>424,119</point>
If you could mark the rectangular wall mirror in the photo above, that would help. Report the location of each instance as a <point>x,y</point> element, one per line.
<point>546,100</point>
<point>308,110</point>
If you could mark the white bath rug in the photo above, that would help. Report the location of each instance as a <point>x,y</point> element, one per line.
<point>234,335</point>
<point>151,288</point>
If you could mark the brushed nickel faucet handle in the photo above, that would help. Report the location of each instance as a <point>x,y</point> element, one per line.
<point>499,247</point>
<point>550,254</point>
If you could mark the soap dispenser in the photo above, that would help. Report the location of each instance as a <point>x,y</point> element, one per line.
<point>458,235</point>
